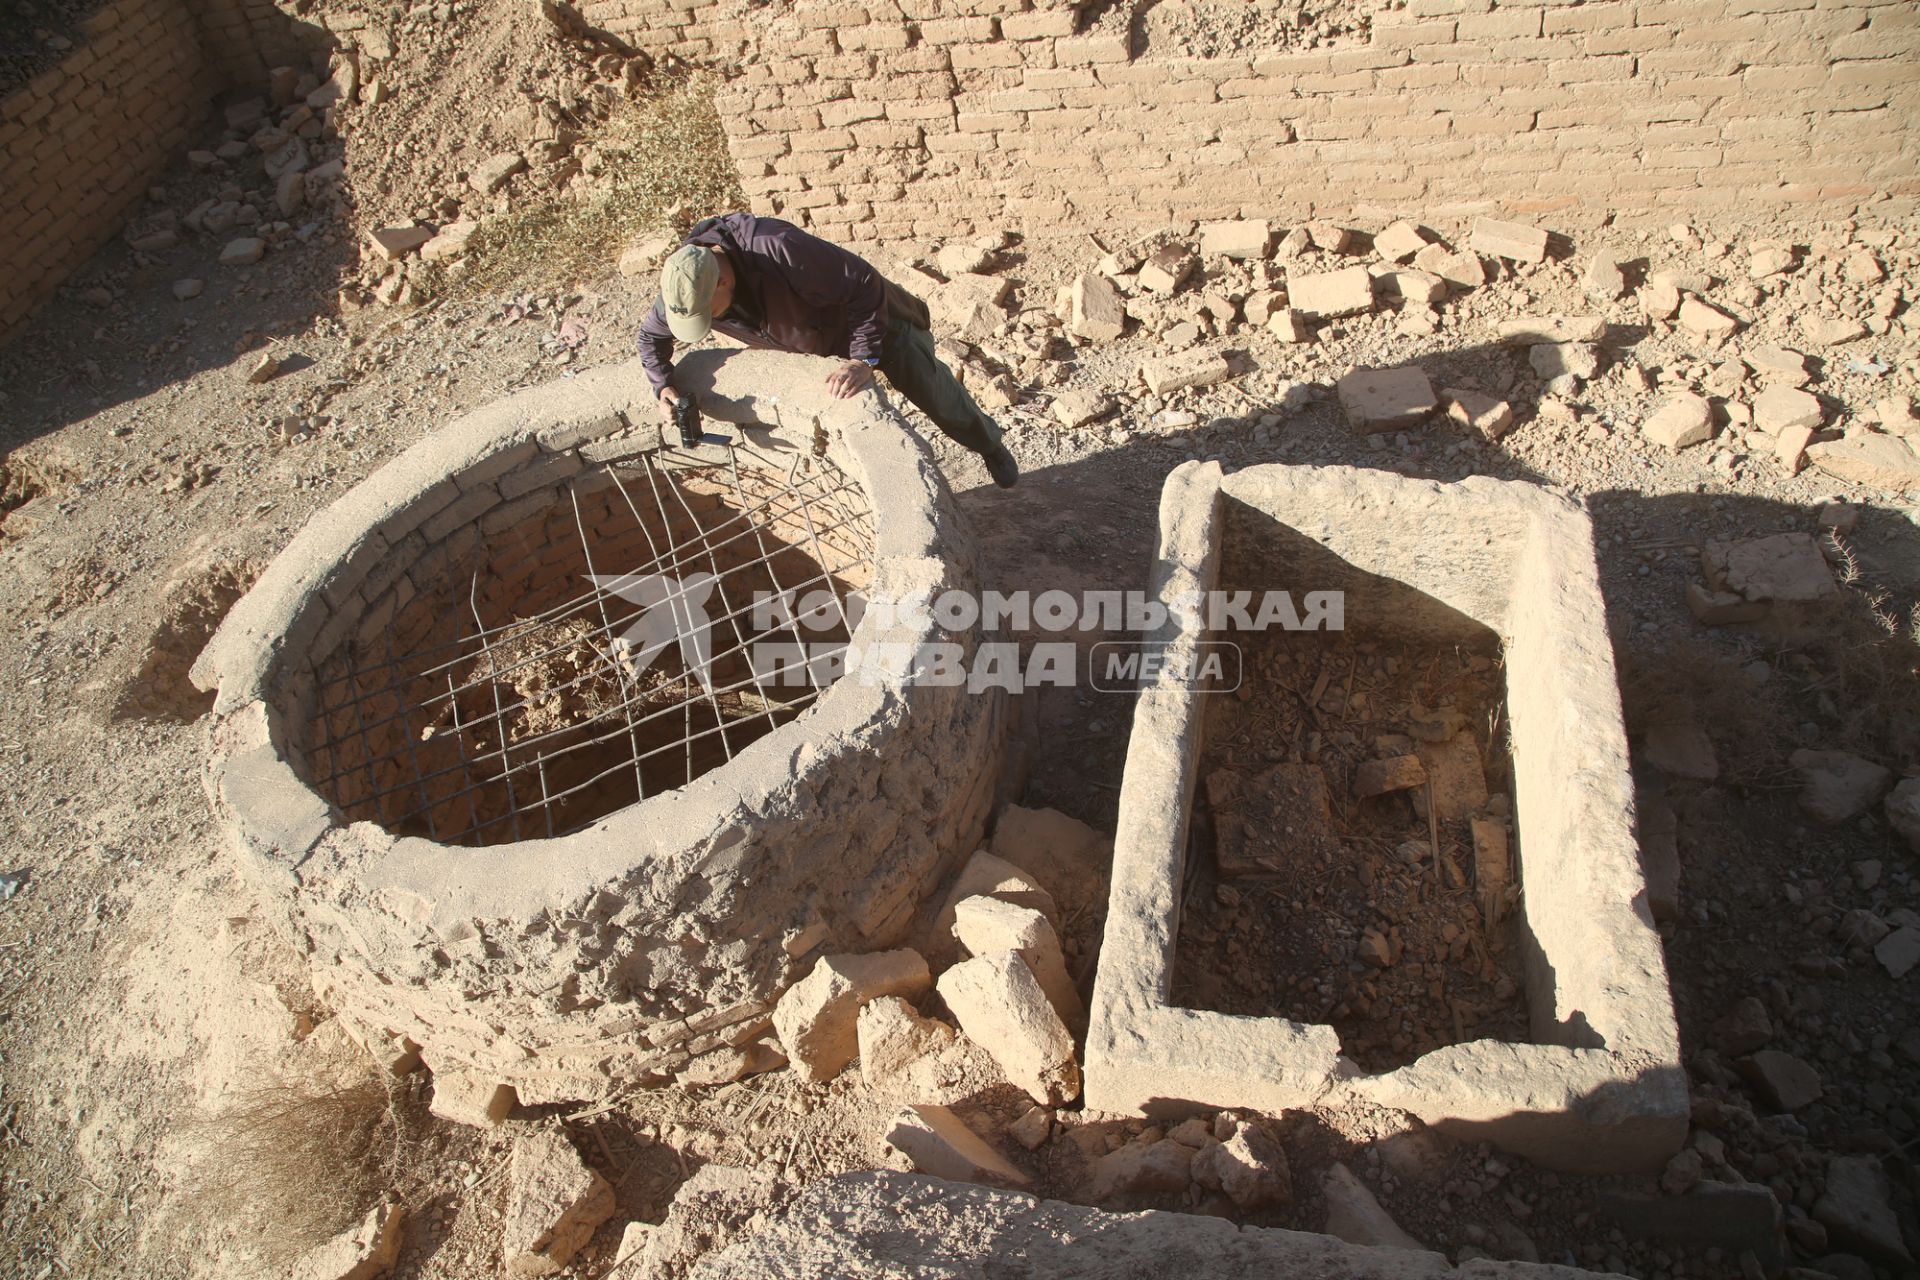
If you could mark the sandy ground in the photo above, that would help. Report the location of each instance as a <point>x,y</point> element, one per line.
<point>140,992</point>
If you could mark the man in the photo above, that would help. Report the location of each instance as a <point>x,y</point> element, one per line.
<point>767,283</point>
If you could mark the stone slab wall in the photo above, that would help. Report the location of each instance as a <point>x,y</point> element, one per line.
<point>934,117</point>
<point>1601,1088</point>
<point>80,142</point>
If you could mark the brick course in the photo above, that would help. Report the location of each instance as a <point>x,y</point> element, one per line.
<point>1629,106</point>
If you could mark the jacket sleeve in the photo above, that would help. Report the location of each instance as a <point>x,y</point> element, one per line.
<point>656,347</point>
<point>825,275</point>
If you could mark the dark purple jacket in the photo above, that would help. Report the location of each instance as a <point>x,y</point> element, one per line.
<point>794,292</point>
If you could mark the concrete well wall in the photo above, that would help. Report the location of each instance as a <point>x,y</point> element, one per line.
<point>1601,1088</point>
<point>928,118</point>
<point>664,932</point>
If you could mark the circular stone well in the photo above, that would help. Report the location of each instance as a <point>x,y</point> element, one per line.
<point>513,742</point>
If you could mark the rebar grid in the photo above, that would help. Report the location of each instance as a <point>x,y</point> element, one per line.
<point>544,723</point>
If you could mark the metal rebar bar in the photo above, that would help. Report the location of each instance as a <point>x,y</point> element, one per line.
<point>499,715</point>
<point>480,769</point>
<point>613,651</point>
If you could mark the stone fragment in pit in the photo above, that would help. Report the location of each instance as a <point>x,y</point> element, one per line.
<point>986,925</point>
<point>1143,1168</point>
<point>1396,773</point>
<point>1263,822</point>
<point>1457,780</point>
<point>1354,1215</point>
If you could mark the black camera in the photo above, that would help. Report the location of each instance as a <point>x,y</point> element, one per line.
<point>687,417</point>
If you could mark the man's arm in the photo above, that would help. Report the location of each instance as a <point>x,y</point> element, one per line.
<point>826,275</point>
<point>656,347</point>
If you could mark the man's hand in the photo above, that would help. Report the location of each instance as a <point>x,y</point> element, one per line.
<point>668,398</point>
<point>849,379</point>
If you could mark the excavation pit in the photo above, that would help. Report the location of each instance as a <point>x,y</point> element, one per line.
<point>1351,827</point>
<point>562,753</point>
<point>1503,574</point>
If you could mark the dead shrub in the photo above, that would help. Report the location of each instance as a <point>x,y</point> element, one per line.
<point>310,1158</point>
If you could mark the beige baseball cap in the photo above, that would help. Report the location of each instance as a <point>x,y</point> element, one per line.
<point>686,288</point>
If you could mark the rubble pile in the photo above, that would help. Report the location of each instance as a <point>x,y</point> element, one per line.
<point>1780,356</point>
<point>359,146</point>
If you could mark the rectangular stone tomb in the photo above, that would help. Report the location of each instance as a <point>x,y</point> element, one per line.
<point>1588,1077</point>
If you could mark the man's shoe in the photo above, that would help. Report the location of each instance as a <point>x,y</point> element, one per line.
<point>1001,466</point>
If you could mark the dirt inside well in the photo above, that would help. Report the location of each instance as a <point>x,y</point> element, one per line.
<point>1317,895</point>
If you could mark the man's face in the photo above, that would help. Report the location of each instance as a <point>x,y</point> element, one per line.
<point>723,288</point>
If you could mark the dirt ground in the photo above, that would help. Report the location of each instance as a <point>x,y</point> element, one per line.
<point>142,993</point>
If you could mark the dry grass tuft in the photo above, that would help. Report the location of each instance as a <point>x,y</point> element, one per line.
<point>309,1159</point>
<point>661,155</point>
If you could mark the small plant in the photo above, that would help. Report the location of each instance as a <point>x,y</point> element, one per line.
<point>659,155</point>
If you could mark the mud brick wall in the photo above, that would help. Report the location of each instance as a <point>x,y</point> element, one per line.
<point>931,117</point>
<point>80,142</point>
<point>247,38</point>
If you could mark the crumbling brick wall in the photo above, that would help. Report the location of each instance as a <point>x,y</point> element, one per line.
<point>80,142</point>
<point>929,117</point>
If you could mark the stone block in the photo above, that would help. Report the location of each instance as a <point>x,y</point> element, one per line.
<point>394,243</point>
<point>1879,462</point>
<point>1530,331</point>
<point>554,1203</point>
<point>1512,240</point>
<point>471,1098</point>
<point>1488,416</point>
<point>940,1143</point>
<point>1329,294</point>
<point>1386,399</point>
<point>1243,239</point>
<point>1704,321</point>
<point>1001,1007</point>
<point>988,925</point>
<point>1782,566</point>
<point>243,252</point>
<point>494,172</point>
<point>1400,242</point>
<point>1176,373</point>
<point>893,1037</point>
<point>1097,313</point>
<point>1289,325</point>
<point>817,1018</point>
<point>1167,269</point>
<point>1683,421</point>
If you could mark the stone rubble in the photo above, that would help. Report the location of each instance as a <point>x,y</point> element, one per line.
<point>817,1019</point>
<point>1001,1007</point>
<point>554,1203</point>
